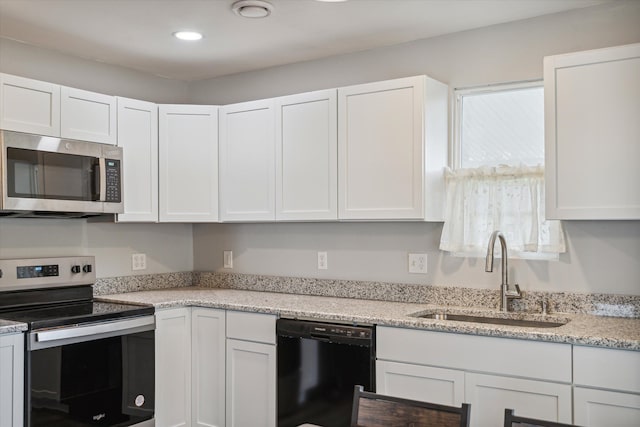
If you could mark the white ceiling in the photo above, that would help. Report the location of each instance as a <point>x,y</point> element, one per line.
<point>138,33</point>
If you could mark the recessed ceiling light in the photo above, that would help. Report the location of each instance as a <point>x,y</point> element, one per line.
<point>252,8</point>
<point>187,35</point>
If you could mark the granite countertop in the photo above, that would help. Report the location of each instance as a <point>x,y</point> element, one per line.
<point>10,327</point>
<point>582,329</point>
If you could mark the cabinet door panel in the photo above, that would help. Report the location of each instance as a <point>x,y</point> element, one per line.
<point>425,383</point>
<point>188,171</point>
<point>599,408</point>
<point>11,380</point>
<point>87,116</point>
<point>489,395</point>
<point>208,367</point>
<point>380,150</point>
<point>592,134</point>
<point>173,368</point>
<point>29,106</point>
<point>247,161</point>
<point>251,384</point>
<point>306,156</point>
<point>138,137</point>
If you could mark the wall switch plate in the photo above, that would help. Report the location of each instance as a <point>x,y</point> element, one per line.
<point>138,261</point>
<point>322,261</point>
<point>418,263</point>
<point>227,259</point>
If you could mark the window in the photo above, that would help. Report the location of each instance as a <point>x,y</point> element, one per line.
<point>500,125</point>
<point>497,180</point>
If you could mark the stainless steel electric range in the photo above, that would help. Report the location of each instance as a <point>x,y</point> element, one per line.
<point>87,363</point>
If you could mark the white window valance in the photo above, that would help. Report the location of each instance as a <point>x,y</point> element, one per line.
<point>509,199</point>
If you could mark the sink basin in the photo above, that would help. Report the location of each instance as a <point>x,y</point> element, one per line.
<point>509,321</point>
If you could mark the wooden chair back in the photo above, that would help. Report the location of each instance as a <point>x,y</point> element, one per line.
<point>511,420</point>
<point>376,410</point>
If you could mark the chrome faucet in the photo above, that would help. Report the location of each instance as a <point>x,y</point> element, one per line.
<point>505,291</point>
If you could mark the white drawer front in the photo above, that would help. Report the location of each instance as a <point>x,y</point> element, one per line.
<point>607,368</point>
<point>523,358</point>
<point>251,326</point>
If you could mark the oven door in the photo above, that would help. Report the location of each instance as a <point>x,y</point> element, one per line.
<point>96,375</point>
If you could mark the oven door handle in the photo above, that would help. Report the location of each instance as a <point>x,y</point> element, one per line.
<point>63,336</point>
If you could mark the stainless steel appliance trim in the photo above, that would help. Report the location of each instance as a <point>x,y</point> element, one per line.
<point>10,139</point>
<point>63,336</point>
<point>103,179</point>
<point>9,280</point>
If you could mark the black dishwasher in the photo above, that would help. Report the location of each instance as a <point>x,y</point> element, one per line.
<point>318,365</point>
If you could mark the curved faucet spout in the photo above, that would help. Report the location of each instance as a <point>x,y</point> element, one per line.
<point>489,260</point>
<point>505,293</point>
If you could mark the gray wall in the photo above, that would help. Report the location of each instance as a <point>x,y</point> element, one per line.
<point>602,256</point>
<point>169,247</point>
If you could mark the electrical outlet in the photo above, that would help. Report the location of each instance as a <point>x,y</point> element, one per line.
<point>138,261</point>
<point>418,263</point>
<point>322,261</point>
<point>227,259</point>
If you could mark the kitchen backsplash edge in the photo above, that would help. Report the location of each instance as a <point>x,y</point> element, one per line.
<point>563,302</point>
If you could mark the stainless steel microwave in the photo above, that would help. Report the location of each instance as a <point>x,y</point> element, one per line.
<point>46,176</point>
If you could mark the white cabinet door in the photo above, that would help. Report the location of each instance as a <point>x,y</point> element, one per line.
<point>87,116</point>
<point>138,137</point>
<point>592,134</point>
<point>383,162</point>
<point>208,367</point>
<point>247,161</point>
<point>29,105</point>
<point>188,163</point>
<point>173,368</point>
<point>11,380</point>
<point>489,395</point>
<point>251,384</point>
<point>306,156</point>
<point>417,382</point>
<point>599,408</point>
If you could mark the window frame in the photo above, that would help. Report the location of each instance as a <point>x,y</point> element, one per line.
<point>460,93</point>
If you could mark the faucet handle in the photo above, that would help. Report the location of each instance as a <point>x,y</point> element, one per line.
<point>514,294</point>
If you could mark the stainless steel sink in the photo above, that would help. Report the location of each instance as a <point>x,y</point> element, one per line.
<point>527,323</point>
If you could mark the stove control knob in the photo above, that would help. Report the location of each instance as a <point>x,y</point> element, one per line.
<point>86,268</point>
<point>75,269</point>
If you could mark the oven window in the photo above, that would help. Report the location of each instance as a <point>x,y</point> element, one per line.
<point>44,175</point>
<point>106,382</point>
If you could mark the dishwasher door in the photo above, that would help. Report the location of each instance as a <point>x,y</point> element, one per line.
<point>318,365</point>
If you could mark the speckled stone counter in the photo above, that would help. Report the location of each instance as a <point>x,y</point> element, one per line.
<point>582,329</point>
<point>9,327</point>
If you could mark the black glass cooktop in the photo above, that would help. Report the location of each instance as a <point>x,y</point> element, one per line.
<point>56,309</point>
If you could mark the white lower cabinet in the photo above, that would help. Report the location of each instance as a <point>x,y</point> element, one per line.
<point>601,408</point>
<point>251,384</point>
<point>173,368</point>
<point>489,395</point>
<point>533,378</point>
<point>435,385</point>
<point>606,393</point>
<point>208,367</point>
<point>251,369</point>
<point>11,380</point>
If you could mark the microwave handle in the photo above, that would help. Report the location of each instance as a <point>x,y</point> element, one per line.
<point>103,179</point>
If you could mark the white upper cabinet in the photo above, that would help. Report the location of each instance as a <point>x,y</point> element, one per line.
<point>188,163</point>
<point>87,116</point>
<point>29,105</point>
<point>392,149</point>
<point>247,161</point>
<point>138,137</point>
<point>592,134</point>
<point>306,156</point>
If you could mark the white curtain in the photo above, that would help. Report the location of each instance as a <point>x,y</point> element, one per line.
<point>509,199</point>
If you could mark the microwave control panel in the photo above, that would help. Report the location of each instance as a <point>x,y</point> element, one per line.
<point>113,173</point>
